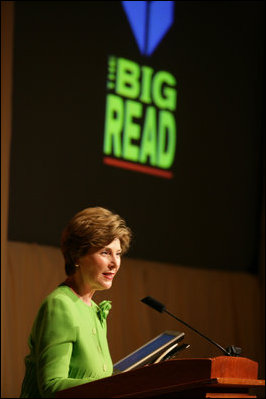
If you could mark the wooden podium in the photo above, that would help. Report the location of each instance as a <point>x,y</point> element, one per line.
<point>218,377</point>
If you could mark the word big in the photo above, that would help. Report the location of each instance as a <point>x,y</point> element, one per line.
<point>139,124</point>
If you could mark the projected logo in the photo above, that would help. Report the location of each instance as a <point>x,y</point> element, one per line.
<point>149,21</point>
<point>140,125</point>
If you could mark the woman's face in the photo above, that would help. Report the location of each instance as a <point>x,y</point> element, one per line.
<point>99,267</point>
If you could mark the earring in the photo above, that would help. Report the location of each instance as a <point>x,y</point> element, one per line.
<point>76,266</point>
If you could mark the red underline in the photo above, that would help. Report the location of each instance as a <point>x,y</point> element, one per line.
<point>137,167</point>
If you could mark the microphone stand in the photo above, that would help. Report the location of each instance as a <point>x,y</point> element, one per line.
<point>229,351</point>
<point>194,329</point>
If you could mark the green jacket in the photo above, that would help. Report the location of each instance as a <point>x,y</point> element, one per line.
<point>68,345</point>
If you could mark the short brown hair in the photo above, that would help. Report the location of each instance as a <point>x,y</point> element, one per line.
<point>92,227</point>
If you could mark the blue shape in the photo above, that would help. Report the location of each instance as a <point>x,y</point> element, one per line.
<point>161,19</point>
<point>136,13</point>
<point>149,21</point>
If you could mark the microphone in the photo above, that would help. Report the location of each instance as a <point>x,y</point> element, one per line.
<point>230,351</point>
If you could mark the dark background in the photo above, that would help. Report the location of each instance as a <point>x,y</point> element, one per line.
<point>209,214</point>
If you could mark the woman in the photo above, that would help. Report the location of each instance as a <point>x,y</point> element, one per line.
<point>68,343</point>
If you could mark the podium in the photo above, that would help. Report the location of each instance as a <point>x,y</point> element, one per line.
<point>218,377</point>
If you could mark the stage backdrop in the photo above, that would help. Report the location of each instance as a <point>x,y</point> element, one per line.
<point>153,110</point>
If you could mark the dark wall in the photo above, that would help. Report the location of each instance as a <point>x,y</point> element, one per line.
<point>208,214</point>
